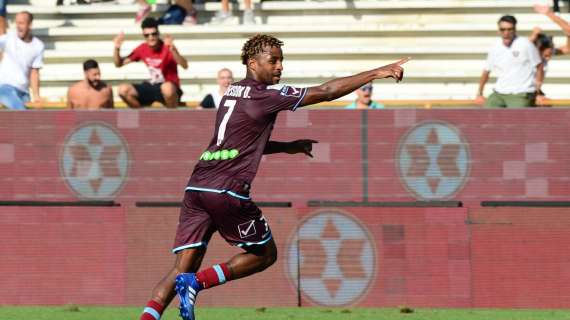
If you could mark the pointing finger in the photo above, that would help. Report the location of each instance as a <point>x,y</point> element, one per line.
<point>312,141</point>
<point>402,61</point>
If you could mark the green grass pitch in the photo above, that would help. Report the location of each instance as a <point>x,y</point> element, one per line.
<point>116,313</point>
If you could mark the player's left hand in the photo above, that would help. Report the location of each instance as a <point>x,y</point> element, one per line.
<point>302,146</point>
<point>168,40</point>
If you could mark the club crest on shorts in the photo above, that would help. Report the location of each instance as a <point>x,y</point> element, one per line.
<point>433,160</point>
<point>246,229</point>
<point>335,256</point>
<point>94,161</point>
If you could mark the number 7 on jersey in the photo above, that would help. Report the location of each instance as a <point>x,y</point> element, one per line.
<point>222,130</point>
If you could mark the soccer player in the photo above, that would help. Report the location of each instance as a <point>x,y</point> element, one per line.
<point>217,196</point>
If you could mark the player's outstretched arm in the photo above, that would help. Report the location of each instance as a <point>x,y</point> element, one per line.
<point>339,87</point>
<point>298,146</point>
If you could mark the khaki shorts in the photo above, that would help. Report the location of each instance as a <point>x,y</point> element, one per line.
<point>520,100</point>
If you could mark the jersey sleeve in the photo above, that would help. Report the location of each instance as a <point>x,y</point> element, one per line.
<point>135,54</point>
<point>285,98</point>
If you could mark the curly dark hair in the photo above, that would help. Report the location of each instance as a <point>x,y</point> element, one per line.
<point>256,44</point>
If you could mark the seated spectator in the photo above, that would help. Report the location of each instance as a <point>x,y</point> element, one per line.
<point>212,100</point>
<point>189,11</point>
<point>162,59</point>
<point>364,99</point>
<point>91,93</point>
<point>224,14</point>
<point>21,63</point>
<point>3,17</point>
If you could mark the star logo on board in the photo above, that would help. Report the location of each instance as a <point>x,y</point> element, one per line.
<point>336,256</point>
<point>433,161</point>
<point>94,161</point>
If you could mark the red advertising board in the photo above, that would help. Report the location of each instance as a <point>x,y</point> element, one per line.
<point>379,155</point>
<point>62,255</point>
<point>384,257</point>
<point>333,257</point>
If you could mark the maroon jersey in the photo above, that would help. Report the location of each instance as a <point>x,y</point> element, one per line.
<point>244,123</point>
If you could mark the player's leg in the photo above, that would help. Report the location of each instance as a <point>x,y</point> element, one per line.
<point>192,236</point>
<point>129,95</point>
<point>169,93</point>
<point>187,260</point>
<point>255,259</point>
<point>241,223</point>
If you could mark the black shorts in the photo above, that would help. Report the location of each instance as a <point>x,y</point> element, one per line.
<point>149,93</point>
<point>240,222</point>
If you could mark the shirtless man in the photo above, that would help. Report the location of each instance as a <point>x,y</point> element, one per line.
<point>91,93</point>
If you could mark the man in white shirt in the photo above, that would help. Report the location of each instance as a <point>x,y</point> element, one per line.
<point>20,67</point>
<point>519,68</point>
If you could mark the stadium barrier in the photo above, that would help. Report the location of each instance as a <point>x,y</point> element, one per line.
<point>433,242</point>
<point>362,255</point>
<point>403,155</point>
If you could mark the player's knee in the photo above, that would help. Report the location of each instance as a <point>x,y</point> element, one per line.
<point>168,89</point>
<point>270,256</point>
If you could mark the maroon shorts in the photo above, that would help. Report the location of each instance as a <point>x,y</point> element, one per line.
<point>238,221</point>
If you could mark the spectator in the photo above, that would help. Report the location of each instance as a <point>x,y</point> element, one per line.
<point>161,58</point>
<point>542,41</point>
<point>191,13</point>
<point>20,67</point>
<point>91,93</point>
<point>364,99</point>
<point>224,14</point>
<point>545,44</point>
<point>212,100</point>
<point>3,17</point>
<point>519,67</point>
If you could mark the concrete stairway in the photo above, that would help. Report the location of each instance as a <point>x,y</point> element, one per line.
<point>447,39</point>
